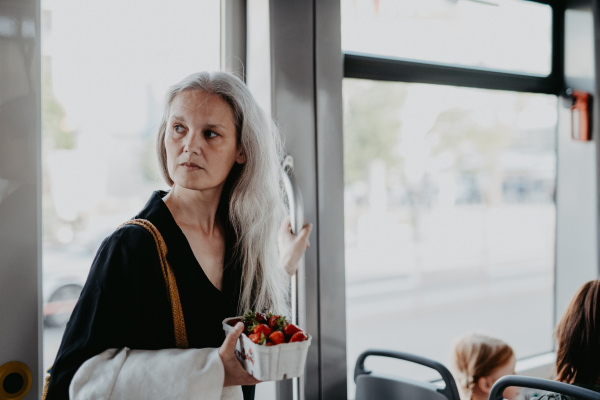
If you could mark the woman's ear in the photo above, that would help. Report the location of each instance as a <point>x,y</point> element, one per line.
<point>241,157</point>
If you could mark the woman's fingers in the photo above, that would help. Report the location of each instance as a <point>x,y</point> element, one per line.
<point>292,247</point>
<point>228,345</point>
<point>305,232</point>
<point>303,236</point>
<point>235,374</point>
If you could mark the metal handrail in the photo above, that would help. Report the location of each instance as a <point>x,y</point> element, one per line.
<point>294,197</point>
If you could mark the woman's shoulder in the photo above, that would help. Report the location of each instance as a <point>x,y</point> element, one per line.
<point>127,236</point>
<point>124,250</point>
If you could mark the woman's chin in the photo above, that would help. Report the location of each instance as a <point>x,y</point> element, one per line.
<point>195,185</point>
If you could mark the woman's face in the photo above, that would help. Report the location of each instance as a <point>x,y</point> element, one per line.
<point>201,141</point>
<point>510,392</point>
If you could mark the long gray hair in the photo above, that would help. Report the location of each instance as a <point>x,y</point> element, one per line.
<point>256,202</point>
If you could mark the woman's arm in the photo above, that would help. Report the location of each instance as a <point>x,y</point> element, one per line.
<point>169,373</point>
<point>106,312</point>
<point>128,374</point>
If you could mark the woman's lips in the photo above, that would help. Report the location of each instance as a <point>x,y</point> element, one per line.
<point>190,165</point>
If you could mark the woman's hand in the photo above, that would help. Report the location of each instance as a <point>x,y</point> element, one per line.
<point>235,374</point>
<point>292,247</point>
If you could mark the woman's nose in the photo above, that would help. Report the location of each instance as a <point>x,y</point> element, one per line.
<point>194,143</point>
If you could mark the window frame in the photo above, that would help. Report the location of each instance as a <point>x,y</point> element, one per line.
<point>394,69</point>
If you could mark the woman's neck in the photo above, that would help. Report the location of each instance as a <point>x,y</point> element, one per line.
<point>193,208</point>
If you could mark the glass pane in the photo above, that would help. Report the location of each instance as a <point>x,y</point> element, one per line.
<point>508,35</point>
<point>450,219</point>
<point>106,66</point>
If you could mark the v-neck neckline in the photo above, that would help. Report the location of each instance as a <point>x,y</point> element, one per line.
<point>178,247</point>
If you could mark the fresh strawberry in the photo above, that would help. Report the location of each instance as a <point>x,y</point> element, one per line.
<point>249,319</point>
<point>277,322</point>
<point>261,318</point>
<point>233,322</point>
<point>258,338</point>
<point>273,321</point>
<point>269,344</point>
<point>262,328</point>
<point>277,337</point>
<point>299,336</point>
<point>290,329</point>
<point>255,337</point>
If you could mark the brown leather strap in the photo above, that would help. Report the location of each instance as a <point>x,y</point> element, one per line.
<point>46,384</point>
<point>178,321</point>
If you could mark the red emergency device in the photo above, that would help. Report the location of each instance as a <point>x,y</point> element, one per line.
<point>581,123</point>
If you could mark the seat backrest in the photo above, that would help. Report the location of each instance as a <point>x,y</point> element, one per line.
<point>543,384</point>
<point>379,387</point>
<point>376,386</point>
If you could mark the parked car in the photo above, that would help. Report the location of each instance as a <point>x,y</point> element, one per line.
<point>65,270</point>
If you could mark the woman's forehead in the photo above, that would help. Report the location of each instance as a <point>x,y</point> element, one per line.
<point>194,101</point>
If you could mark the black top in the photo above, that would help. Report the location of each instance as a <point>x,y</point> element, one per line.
<point>124,302</point>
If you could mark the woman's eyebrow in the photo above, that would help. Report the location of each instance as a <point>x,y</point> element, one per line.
<point>216,126</point>
<point>210,126</point>
<point>178,117</point>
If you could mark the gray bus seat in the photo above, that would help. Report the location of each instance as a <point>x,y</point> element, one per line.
<point>375,386</point>
<point>542,384</point>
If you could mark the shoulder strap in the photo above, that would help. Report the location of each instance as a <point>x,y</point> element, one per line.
<point>178,321</point>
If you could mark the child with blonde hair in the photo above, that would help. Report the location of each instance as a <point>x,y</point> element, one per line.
<point>479,361</point>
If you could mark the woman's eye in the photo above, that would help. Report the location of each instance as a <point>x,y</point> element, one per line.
<point>179,128</point>
<point>210,134</point>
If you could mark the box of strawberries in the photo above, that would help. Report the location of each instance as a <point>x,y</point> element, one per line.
<point>271,348</point>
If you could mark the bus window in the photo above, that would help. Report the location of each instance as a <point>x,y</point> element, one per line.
<point>449,218</point>
<point>506,35</point>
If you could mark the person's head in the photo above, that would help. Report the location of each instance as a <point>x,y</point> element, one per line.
<point>578,338</point>
<point>236,148</point>
<point>257,139</point>
<point>479,361</point>
<point>200,142</point>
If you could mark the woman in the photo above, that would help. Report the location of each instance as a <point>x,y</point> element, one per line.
<point>479,361</point>
<point>578,338</point>
<point>221,156</point>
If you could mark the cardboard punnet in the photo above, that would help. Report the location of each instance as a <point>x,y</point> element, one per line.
<point>270,363</point>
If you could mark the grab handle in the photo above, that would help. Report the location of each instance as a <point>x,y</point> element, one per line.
<point>294,197</point>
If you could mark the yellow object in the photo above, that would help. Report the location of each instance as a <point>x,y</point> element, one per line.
<point>15,380</point>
